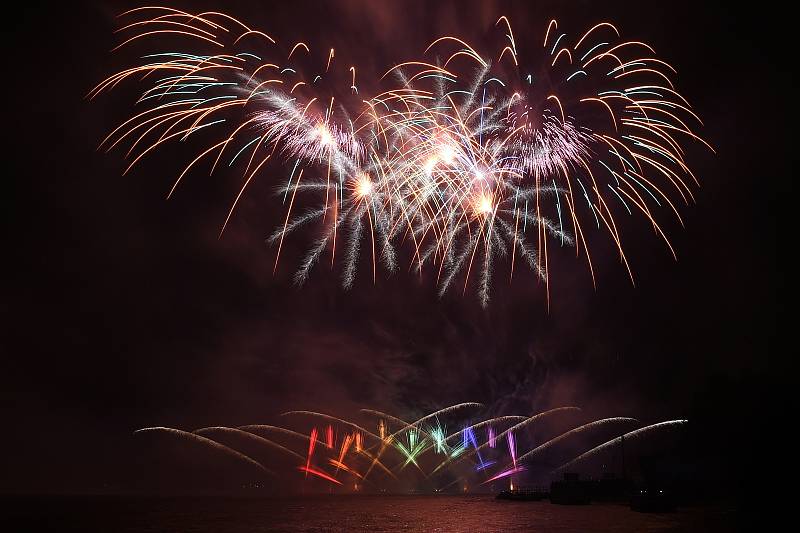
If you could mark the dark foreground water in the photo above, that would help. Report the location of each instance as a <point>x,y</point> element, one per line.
<point>343,514</point>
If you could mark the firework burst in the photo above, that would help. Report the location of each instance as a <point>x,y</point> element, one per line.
<point>457,159</point>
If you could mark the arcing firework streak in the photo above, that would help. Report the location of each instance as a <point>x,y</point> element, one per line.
<point>459,157</point>
<point>348,453</point>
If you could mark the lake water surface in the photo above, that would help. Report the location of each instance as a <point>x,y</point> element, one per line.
<point>110,514</point>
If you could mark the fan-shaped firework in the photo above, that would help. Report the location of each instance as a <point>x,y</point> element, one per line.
<point>456,159</point>
<point>387,451</point>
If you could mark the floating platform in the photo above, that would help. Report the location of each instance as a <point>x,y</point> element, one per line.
<point>528,495</point>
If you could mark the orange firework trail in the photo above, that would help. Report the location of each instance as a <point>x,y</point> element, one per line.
<point>460,157</point>
<point>329,436</point>
<point>319,473</point>
<point>312,442</point>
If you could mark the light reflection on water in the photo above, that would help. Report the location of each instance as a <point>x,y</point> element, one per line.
<point>345,514</point>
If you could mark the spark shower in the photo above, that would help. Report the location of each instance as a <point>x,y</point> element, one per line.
<point>451,162</point>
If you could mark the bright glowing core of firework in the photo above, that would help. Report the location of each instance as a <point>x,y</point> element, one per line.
<point>364,186</point>
<point>484,204</point>
<point>326,140</point>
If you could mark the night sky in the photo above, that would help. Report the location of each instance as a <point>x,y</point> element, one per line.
<point>126,311</point>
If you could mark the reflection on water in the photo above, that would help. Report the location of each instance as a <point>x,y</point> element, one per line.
<point>345,514</point>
